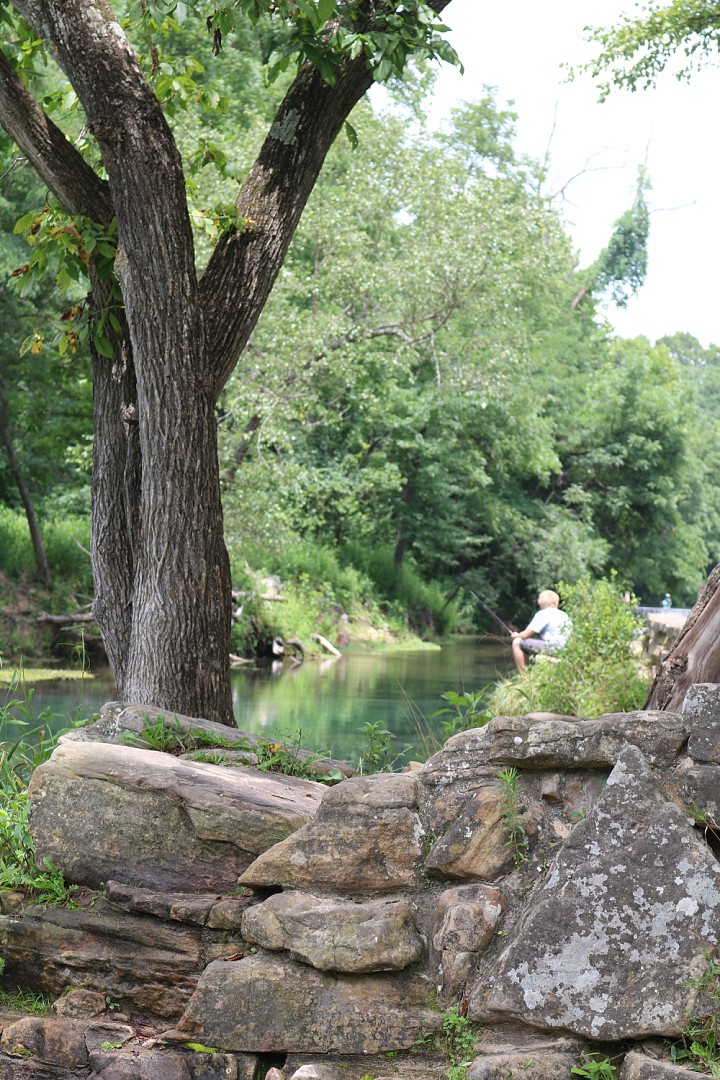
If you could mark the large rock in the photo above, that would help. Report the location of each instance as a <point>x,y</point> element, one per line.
<point>626,917</point>
<point>366,837</point>
<point>151,964</point>
<point>172,1065</point>
<point>701,709</point>
<point>564,763</point>
<point>53,1041</point>
<point>267,1004</point>
<point>102,811</point>
<point>336,935</point>
<point>120,720</point>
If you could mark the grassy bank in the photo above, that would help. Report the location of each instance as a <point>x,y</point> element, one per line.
<point>356,598</point>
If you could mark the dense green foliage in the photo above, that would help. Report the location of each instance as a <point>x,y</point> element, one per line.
<point>425,410</point>
<point>596,672</point>
<point>18,868</point>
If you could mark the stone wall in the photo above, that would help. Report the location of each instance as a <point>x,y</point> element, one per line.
<point>235,922</point>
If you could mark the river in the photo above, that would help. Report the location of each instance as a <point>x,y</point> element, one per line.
<point>325,703</point>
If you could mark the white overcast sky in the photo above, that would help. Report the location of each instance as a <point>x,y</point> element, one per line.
<point>520,48</point>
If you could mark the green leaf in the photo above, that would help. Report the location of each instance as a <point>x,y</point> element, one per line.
<point>103,346</point>
<point>326,10</point>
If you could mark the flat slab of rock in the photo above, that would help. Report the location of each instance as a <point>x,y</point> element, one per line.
<point>101,811</point>
<point>267,1004</point>
<point>336,935</point>
<point>119,719</point>
<point>172,1065</point>
<point>569,744</point>
<point>640,1067</point>
<point>625,919</point>
<point>366,837</point>
<point>151,964</point>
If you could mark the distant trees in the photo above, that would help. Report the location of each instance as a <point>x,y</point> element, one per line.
<point>683,35</point>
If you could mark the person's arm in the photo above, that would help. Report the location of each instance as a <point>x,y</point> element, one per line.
<point>526,633</point>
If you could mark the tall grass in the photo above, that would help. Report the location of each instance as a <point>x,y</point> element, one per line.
<point>18,760</point>
<point>61,537</point>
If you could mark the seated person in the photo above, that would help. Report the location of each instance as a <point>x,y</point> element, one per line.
<point>547,631</point>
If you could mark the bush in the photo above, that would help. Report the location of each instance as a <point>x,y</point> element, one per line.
<point>597,670</point>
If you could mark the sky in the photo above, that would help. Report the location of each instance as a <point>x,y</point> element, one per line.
<point>521,48</point>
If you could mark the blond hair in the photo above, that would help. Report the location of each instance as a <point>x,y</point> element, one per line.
<point>548,598</point>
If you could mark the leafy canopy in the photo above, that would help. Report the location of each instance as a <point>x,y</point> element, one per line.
<point>639,48</point>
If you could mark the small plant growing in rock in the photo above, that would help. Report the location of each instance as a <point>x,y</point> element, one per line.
<point>379,756</point>
<point>463,711</point>
<point>512,819</point>
<point>18,869</point>
<point>595,1067</point>
<point>459,1042</point>
<point>701,1036</point>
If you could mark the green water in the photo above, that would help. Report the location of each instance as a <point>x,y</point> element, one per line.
<point>329,701</point>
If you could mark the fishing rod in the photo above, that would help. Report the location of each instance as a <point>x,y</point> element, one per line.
<point>490,612</point>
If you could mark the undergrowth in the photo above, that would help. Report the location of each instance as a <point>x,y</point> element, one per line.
<point>18,760</point>
<point>596,672</point>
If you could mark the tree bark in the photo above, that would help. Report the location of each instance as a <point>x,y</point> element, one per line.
<point>41,562</point>
<point>695,657</point>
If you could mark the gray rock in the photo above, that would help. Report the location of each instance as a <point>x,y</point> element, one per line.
<point>366,838</point>
<point>79,1004</point>
<point>119,719</point>
<point>102,812</point>
<point>99,1034</point>
<point>465,924</point>
<point>172,1065</point>
<point>178,907</point>
<point>475,847</point>
<point>267,1004</point>
<point>530,1064</point>
<point>701,792</point>
<point>151,964</point>
<point>336,935</point>
<point>25,1068</point>
<point>640,1067</point>
<point>317,1072</point>
<point>624,920</point>
<point>554,743</point>
<point>50,1039</point>
<point>702,709</point>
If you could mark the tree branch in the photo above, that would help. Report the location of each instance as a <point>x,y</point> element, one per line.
<point>53,157</point>
<point>272,200</point>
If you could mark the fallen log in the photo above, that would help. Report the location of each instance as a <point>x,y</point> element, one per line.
<point>66,620</point>
<point>325,644</point>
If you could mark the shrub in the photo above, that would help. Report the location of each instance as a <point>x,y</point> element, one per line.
<point>596,672</point>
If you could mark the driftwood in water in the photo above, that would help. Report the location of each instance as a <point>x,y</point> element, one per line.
<point>326,644</point>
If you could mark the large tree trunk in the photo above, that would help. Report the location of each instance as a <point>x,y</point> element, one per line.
<point>695,657</point>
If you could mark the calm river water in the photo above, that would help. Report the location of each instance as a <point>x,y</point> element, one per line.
<point>328,701</point>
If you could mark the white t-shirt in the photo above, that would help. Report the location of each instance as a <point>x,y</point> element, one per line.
<point>551,625</point>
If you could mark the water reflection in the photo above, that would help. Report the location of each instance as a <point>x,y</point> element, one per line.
<point>330,700</point>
